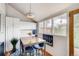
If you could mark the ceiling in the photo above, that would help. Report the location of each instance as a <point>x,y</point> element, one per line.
<point>40,10</point>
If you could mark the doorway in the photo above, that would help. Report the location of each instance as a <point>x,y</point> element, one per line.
<point>74,33</point>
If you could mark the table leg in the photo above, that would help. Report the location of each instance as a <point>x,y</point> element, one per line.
<point>20,50</point>
<point>24,51</point>
<point>36,52</point>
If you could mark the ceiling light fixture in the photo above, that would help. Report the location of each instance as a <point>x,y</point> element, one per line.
<point>30,14</point>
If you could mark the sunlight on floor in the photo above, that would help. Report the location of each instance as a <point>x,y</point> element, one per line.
<point>76,51</point>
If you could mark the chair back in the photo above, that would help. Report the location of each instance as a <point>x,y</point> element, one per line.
<point>41,44</point>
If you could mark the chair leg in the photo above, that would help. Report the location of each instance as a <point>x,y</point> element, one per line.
<point>36,52</point>
<point>30,53</point>
<point>26,54</point>
<point>33,54</point>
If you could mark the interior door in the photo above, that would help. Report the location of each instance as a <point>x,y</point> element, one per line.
<point>74,32</point>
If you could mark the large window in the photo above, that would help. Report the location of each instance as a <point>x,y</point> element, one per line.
<point>55,26</point>
<point>59,25</point>
<point>47,26</point>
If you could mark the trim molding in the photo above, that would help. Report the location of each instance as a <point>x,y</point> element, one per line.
<point>71,31</point>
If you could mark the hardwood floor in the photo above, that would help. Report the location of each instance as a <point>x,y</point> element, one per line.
<point>8,53</point>
<point>46,53</point>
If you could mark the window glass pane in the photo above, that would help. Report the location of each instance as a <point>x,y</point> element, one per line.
<point>40,25</point>
<point>59,25</point>
<point>47,26</point>
<point>76,30</point>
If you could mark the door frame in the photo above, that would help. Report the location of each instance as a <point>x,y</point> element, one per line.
<point>71,31</point>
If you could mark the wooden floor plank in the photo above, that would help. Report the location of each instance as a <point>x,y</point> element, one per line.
<point>46,53</point>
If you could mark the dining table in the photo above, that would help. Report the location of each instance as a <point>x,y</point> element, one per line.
<point>30,41</point>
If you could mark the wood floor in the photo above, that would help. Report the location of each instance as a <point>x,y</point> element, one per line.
<point>43,51</point>
<point>46,53</point>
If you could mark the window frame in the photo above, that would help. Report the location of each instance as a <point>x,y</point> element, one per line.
<point>66,25</point>
<point>52,25</point>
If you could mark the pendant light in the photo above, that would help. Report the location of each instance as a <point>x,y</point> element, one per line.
<point>30,14</point>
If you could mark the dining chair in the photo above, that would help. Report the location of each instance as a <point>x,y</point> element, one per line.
<point>30,50</point>
<point>38,47</point>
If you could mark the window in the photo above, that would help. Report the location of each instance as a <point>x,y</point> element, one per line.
<point>47,26</point>
<point>76,30</point>
<point>40,25</point>
<point>59,25</point>
<point>55,26</point>
<point>26,28</point>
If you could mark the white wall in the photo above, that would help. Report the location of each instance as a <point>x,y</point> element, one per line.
<point>12,28</point>
<point>2,31</point>
<point>59,46</point>
<point>12,31</point>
